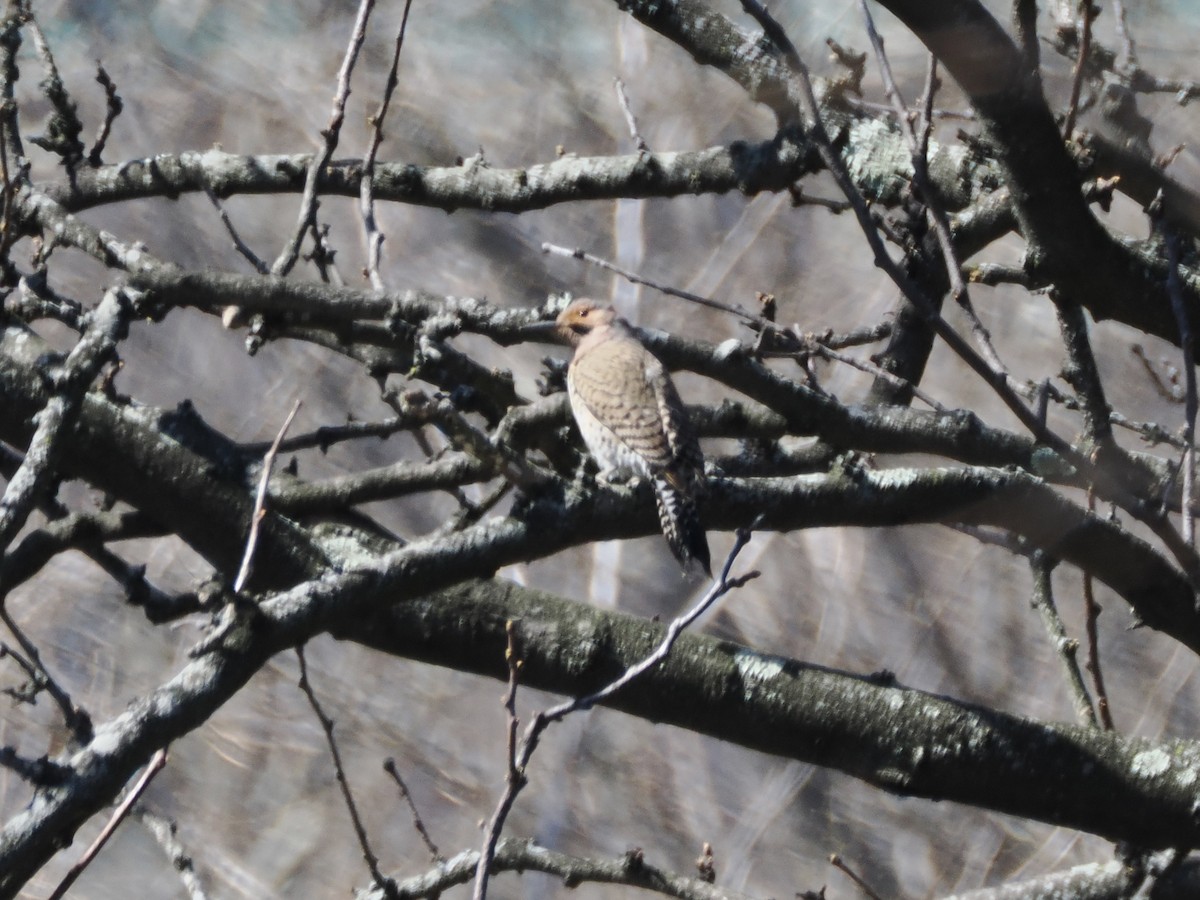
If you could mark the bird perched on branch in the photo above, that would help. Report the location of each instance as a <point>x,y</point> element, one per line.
<point>633,421</point>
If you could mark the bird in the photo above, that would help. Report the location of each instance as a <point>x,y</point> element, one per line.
<point>634,423</point>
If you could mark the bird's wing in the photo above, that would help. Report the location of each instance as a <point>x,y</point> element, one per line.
<point>687,462</point>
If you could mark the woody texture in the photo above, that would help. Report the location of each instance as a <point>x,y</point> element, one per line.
<point>634,423</point>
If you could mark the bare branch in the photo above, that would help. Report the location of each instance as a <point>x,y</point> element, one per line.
<point>630,120</point>
<point>516,855</point>
<point>112,108</point>
<point>155,766</point>
<point>1065,648</point>
<point>1084,31</point>
<point>260,499</point>
<point>838,863</point>
<point>327,724</point>
<point>164,831</point>
<point>389,766</point>
<point>330,135</point>
<point>371,233</point>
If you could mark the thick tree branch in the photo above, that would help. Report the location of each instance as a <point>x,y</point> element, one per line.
<point>750,168</point>
<point>902,740</point>
<point>1115,880</point>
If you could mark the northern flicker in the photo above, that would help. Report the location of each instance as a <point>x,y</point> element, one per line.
<point>633,421</point>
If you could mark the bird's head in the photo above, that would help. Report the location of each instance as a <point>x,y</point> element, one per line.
<point>583,316</point>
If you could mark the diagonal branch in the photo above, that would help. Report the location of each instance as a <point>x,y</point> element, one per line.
<point>57,418</point>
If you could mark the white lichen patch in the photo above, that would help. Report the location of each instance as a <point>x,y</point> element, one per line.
<point>586,640</point>
<point>755,667</point>
<point>895,479</point>
<point>212,158</point>
<point>727,350</point>
<point>880,162</point>
<point>105,741</point>
<point>1150,763</point>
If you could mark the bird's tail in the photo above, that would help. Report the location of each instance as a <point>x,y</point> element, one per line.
<point>681,525</point>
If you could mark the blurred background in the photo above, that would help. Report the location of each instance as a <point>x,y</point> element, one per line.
<point>253,791</point>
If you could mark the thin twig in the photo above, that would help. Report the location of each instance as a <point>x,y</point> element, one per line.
<point>113,106</point>
<point>62,137</point>
<point>389,766</point>
<point>366,198</point>
<point>1167,385</point>
<point>328,435</point>
<point>631,868</point>
<point>723,585</point>
<point>26,693</point>
<point>401,478</point>
<point>514,772</point>
<point>384,883</point>
<point>837,862</point>
<point>323,255</point>
<point>1186,339</point>
<point>1092,611</point>
<point>164,831</point>
<point>632,277</point>
<point>1085,49</point>
<point>260,500</point>
<point>932,83</point>
<point>992,274</point>
<point>241,246</point>
<point>1150,432</point>
<point>1082,372</point>
<point>471,512</point>
<point>331,134</point>
<point>75,717</point>
<point>513,661</point>
<point>156,764</point>
<point>1042,600</point>
<point>630,120</point>
<point>888,110</point>
<point>1145,83</point>
<point>519,756</point>
<point>800,198</point>
<point>1127,57</point>
<point>866,334</point>
<point>441,412</point>
<point>815,348</point>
